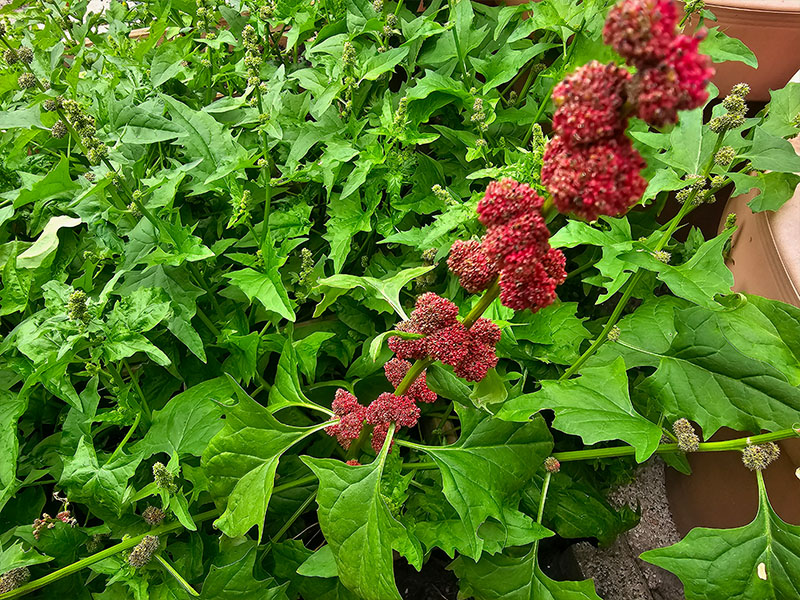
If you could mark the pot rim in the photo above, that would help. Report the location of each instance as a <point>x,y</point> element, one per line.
<point>772,6</point>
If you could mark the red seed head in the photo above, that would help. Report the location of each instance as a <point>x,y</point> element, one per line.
<point>526,231</point>
<point>388,408</point>
<point>600,179</point>
<point>432,313</point>
<point>485,332</point>
<point>479,359</point>
<point>526,284</point>
<point>589,103</point>
<point>506,199</point>
<point>396,369</point>
<point>471,265</point>
<point>642,30</point>
<point>449,345</point>
<point>411,349</point>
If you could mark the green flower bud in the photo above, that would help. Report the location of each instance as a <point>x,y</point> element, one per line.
<point>735,104</point>
<point>726,122</point>
<point>687,438</point>
<point>27,81</point>
<point>757,458</point>
<point>10,56</point>
<point>25,55</point>
<point>59,129</point>
<point>614,333</point>
<point>164,480</point>
<point>725,156</point>
<point>662,256</point>
<point>77,307</point>
<point>144,551</point>
<point>153,515</point>
<point>13,579</point>
<point>740,89</point>
<point>429,256</point>
<point>348,54</point>
<point>552,465</point>
<point>717,181</point>
<point>730,221</point>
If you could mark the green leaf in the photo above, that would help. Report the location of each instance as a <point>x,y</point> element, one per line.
<point>515,576</point>
<point>759,561</point>
<point>356,523</point>
<point>387,289</point>
<point>266,287</point>
<point>22,117</point>
<point>320,564</point>
<point>57,183</point>
<point>784,106</point>
<point>241,460</point>
<point>288,556</point>
<point>482,472</point>
<point>772,153</point>
<point>595,406</point>
<point>208,141</point>
<point>46,243</point>
<point>702,376</point>
<point>286,390</point>
<point>11,408</point>
<point>722,48</point>
<point>14,557</point>
<point>16,288</point>
<point>231,575</point>
<point>383,62</point>
<point>700,278</point>
<point>104,485</point>
<point>776,189</point>
<point>189,420</point>
<point>166,63</point>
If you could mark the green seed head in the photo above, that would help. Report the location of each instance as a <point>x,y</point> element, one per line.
<point>13,579</point>
<point>25,55</point>
<point>59,129</point>
<point>10,56</point>
<point>552,465</point>
<point>740,89</point>
<point>687,438</point>
<point>27,81</point>
<point>757,458</point>
<point>725,156</point>
<point>143,552</point>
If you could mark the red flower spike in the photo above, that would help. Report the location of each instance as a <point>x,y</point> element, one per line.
<point>396,369</point>
<point>353,462</point>
<point>411,349</point>
<point>527,231</point>
<point>485,332</point>
<point>432,313</point>
<point>480,358</point>
<point>388,408</point>
<point>642,30</point>
<point>506,199</point>
<point>601,179</point>
<point>351,418</point>
<point>449,345</point>
<point>589,103</point>
<point>379,437</point>
<point>471,265</point>
<point>532,285</point>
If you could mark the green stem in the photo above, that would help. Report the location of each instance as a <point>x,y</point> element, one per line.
<point>543,497</point>
<point>127,437</point>
<point>724,446</point>
<point>172,571</point>
<point>489,296</point>
<point>139,391</point>
<point>103,554</point>
<point>687,207</point>
<point>418,466</point>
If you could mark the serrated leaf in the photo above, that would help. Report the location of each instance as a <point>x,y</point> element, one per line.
<point>267,288</point>
<point>784,106</point>
<point>241,460</point>
<point>489,463</point>
<point>515,577</point>
<point>759,561</point>
<point>387,289</point>
<point>189,420</point>
<point>15,556</point>
<point>722,48</point>
<point>57,183</point>
<point>595,406</point>
<point>700,278</point>
<point>356,523</point>
<point>772,153</point>
<point>231,576</point>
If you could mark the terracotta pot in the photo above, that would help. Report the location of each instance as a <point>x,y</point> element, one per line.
<point>771,29</point>
<point>765,260</point>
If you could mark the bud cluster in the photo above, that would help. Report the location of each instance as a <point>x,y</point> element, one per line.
<point>469,351</point>
<point>351,418</point>
<point>77,307</point>
<point>686,436</point>
<point>143,552</point>
<point>163,479</point>
<point>758,457</point>
<point>11,580</point>
<point>153,515</point>
<point>349,81</point>
<point>516,247</point>
<point>552,464</point>
<point>387,409</point>
<point>736,109</point>
<point>84,125</point>
<point>205,14</point>
<point>252,55</point>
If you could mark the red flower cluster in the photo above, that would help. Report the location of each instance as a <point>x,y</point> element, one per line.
<point>351,418</point>
<point>591,167</point>
<point>469,351</point>
<point>396,369</point>
<point>672,75</point>
<point>387,409</point>
<point>473,268</point>
<point>517,242</point>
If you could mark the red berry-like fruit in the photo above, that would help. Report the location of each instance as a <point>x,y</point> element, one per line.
<point>600,179</point>
<point>470,264</point>
<point>589,103</point>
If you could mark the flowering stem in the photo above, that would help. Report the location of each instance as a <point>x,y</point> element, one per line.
<point>724,446</point>
<point>172,571</point>
<point>545,486</point>
<point>688,205</point>
<point>127,437</point>
<point>489,296</point>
